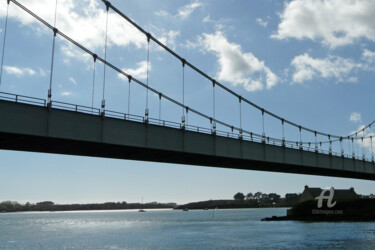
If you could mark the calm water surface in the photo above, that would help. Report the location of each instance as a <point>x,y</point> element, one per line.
<point>235,228</point>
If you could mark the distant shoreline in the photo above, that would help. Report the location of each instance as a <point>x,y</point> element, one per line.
<point>93,211</point>
<point>229,204</point>
<point>49,206</point>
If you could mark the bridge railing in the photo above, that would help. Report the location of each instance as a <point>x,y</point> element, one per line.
<point>164,123</point>
<point>22,99</point>
<point>74,107</point>
<point>123,116</point>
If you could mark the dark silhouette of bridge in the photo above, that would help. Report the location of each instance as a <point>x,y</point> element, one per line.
<point>45,125</point>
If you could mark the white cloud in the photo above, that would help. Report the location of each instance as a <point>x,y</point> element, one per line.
<point>140,72</point>
<point>73,80</point>
<point>368,55</point>
<point>42,72</point>
<point>66,93</point>
<point>13,70</point>
<point>352,79</point>
<point>235,66</point>
<point>72,52</point>
<point>161,13</point>
<point>261,22</point>
<point>85,27</point>
<point>185,11</point>
<point>84,21</point>
<point>207,19</point>
<point>307,68</point>
<point>168,38</point>
<point>334,22</point>
<point>355,117</point>
<point>219,24</point>
<point>191,44</point>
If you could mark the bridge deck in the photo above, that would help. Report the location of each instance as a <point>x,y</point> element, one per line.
<point>34,128</point>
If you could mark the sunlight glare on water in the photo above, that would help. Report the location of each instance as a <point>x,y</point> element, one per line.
<point>234,228</point>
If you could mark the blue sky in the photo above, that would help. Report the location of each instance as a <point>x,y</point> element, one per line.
<point>311,62</point>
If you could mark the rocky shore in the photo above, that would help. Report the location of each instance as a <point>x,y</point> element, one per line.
<point>345,210</point>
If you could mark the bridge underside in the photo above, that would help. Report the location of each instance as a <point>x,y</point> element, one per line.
<point>32,128</point>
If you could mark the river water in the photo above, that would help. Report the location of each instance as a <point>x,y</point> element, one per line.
<point>169,229</point>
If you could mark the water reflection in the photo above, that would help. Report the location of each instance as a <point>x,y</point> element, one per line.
<point>237,228</point>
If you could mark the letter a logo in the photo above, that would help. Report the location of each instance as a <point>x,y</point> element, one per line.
<point>329,198</point>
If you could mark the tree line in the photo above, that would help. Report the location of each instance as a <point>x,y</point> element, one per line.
<point>13,206</point>
<point>268,199</point>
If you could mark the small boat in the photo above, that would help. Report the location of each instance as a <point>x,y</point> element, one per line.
<point>141,210</point>
<point>185,209</point>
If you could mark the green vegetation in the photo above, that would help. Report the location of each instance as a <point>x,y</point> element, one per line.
<point>239,196</point>
<point>256,200</point>
<point>12,206</point>
<point>251,200</point>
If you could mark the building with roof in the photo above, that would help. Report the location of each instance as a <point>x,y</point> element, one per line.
<point>310,193</point>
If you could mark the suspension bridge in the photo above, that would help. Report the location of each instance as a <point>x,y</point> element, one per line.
<point>47,125</point>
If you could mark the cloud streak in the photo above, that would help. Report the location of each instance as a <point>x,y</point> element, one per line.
<point>261,22</point>
<point>355,117</point>
<point>161,13</point>
<point>140,72</point>
<point>73,80</point>
<point>19,72</point>
<point>368,55</point>
<point>66,93</point>
<point>185,11</point>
